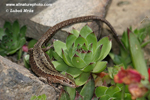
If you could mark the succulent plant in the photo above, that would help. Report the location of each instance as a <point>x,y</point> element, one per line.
<point>13,38</point>
<point>81,54</point>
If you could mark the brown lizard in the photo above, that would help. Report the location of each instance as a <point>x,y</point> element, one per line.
<point>39,60</point>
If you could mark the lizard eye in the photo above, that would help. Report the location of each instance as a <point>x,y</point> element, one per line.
<point>70,83</point>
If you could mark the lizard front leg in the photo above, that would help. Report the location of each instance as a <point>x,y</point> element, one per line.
<point>50,83</point>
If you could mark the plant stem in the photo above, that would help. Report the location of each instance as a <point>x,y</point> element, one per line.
<point>123,92</point>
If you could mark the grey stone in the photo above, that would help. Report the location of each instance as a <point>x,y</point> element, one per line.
<point>18,83</point>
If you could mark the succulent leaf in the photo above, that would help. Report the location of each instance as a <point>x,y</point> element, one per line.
<point>72,51</point>
<point>71,92</point>
<point>74,72</point>
<point>89,67</point>
<point>85,31</point>
<point>75,32</point>
<point>91,38</point>
<point>100,91</point>
<point>70,40</point>
<point>88,57</point>
<point>23,31</point>
<point>66,58</point>
<point>98,52</point>
<point>88,90</point>
<point>78,62</point>
<point>8,33</point>
<point>8,25</point>
<point>100,66</point>
<point>60,65</point>
<point>80,40</point>
<point>58,45</point>
<point>82,79</point>
<point>16,27</point>
<point>105,97</point>
<point>106,47</point>
<point>2,33</point>
<point>84,47</point>
<point>63,95</point>
<point>31,43</point>
<point>56,56</point>
<point>112,90</point>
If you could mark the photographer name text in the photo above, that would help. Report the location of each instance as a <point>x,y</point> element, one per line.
<point>20,10</point>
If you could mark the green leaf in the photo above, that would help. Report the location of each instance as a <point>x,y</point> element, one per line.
<point>80,80</point>
<point>70,40</point>
<point>80,40</point>
<point>100,66</point>
<point>91,38</point>
<point>112,90</point>
<point>78,62</point>
<point>88,90</point>
<point>16,28</point>
<point>100,91</point>
<point>137,56</point>
<point>58,46</point>
<point>71,91</point>
<point>8,25</point>
<point>56,56</point>
<point>8,33</point>
<point>26,61</point>
<point>31,43</point>
<point>74,72</point>
<point>105,97</point>
<point>127,96</point>
<point>16,46</point>
<point>105,48</point>
<point>89,67</point>
<point>2,52</point>
<point>60,65</point>
<point>85,31</point>
<point>19,54</point>
<point>50,53</point>
<point>42,97</point>
<point>124,39</point>
<point>72,51</point>
<point>84,47</point>
<point>116,58</point>
<point>33,97</point>
<point>98,52</point>
<point>75,32</point>
<point>88,57</point>
<point>23,31</point>
<point>110,72</point>
<point>2,33</point>
<point>66,58</point>
<point>64,95</point>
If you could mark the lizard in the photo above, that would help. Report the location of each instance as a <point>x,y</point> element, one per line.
<point>40,62</point>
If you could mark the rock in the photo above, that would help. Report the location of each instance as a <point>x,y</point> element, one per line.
<point>18,83</point>
<point>44,17</point>
<point>125,13</point>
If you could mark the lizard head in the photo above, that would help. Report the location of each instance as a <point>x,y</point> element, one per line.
<point>67,81</point>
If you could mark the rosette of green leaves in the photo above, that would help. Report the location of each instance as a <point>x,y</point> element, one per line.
<point>13,38</point>
<point>81,54</point>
